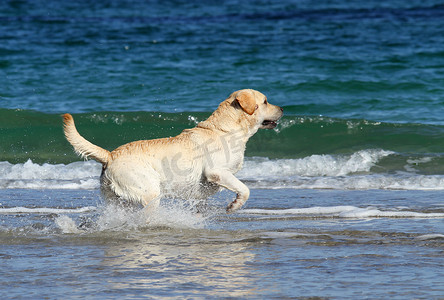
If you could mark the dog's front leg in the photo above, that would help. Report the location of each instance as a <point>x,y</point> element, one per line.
<point>227,180</point>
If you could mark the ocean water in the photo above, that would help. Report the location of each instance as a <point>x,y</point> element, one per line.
<point>346,192</point>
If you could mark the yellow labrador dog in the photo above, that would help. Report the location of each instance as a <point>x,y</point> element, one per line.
<point>194,165</point>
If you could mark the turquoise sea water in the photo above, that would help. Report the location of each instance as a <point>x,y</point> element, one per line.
<point>346,191</point>
<point>372,60</point>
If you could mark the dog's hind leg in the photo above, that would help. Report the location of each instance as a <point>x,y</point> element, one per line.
<point>134,183</point>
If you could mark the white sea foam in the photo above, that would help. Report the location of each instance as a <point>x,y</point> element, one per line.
<point>314,165</point>
<point>29,175</point>
<point>30,170</point>
<point>343,212</point>
<point>46,210</point>
<point>435,236</point>
<point>313,172</point>
<point>409,182</point>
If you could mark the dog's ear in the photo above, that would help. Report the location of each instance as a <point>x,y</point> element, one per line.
<point>247,102</point>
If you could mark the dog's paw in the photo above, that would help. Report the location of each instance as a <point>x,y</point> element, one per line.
<point>233,206</point>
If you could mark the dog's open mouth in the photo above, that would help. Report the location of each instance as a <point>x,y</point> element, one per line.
<point>269,124</point>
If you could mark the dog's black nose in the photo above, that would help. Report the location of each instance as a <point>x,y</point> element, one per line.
<point>281,109</point>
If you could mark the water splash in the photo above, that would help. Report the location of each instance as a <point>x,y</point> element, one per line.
<point>177,214</point>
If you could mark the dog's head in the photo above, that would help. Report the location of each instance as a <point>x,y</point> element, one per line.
<point>246,110</point>
<point>256,109</point>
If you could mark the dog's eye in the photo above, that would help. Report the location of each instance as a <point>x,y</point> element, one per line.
<point>265,101</point>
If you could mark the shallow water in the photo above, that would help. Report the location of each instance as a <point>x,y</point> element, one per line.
<point>285,243</point>
<point>346,191</point>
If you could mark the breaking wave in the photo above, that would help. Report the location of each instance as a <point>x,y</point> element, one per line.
<point>365,169</point>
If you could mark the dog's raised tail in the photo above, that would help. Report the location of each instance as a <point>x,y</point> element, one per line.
<point>81,146</point>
